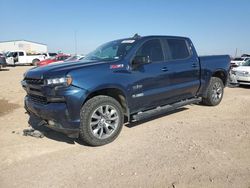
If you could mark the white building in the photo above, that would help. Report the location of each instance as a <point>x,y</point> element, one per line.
<point>28,46</point>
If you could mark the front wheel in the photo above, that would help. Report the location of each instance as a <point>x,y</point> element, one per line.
<point>215,92</point>
<point>101,120</point>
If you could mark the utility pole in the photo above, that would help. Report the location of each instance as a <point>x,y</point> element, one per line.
<point>75,42</point>
<point>236,51</point>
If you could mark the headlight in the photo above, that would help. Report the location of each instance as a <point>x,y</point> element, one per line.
<point>233,72</point>
<point>66,81</point>
<point>246,72</point>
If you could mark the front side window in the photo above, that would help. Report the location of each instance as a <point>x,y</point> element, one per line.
<point>14,54</point>
<point>178,49</point>
<point>151,49</point>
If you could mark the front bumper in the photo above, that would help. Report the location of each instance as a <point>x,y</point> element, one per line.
<point>55,115</point>
<point>3,62</point>
<point>245,80</point>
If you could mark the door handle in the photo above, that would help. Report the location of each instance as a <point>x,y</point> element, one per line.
<point>194,65</point>
<point>164,69</point>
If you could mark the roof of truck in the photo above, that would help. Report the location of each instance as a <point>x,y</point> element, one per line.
<point>138,37</point>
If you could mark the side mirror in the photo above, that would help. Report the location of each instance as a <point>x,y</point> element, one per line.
<point>140,60</point>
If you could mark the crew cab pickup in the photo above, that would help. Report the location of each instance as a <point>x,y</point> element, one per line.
<point>124,80</point>
<point>21,57</point>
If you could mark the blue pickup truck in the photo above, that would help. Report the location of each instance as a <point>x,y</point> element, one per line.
<point>124,80</point>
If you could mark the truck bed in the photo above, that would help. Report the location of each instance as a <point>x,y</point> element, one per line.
<point>211,64</point>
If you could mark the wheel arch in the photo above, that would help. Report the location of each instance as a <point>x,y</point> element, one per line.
<point>221,74</point>
<point>35,60</point>
<point>114,92</point>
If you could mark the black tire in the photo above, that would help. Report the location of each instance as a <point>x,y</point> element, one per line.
<point>90,110</point>
<point>35,61</point>
<point>215,92</point>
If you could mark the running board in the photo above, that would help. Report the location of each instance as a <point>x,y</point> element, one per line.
<point>163,109</point>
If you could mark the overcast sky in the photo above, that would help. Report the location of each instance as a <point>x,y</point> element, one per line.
<point>215,26</point>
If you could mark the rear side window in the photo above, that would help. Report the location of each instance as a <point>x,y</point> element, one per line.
<point>151,49</point>
<point>52,54</point>
<point>20,53</point>
<point>62,58</point>
<point>178,49</point>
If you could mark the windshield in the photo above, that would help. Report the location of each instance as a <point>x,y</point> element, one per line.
<point>9,54</point>
<point>247,63</point>
<point>73,58</point>
<point>111,51</point>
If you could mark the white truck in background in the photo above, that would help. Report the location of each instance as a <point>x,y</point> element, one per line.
<point>20,57</point>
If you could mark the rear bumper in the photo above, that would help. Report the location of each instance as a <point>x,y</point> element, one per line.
<point>55,115</point>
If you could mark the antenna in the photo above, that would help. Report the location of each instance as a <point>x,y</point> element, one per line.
<point>136,36</point>
<point>236,51</point>
<point>75,42</point>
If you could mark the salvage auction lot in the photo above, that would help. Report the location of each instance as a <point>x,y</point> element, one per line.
<point>197,146</point>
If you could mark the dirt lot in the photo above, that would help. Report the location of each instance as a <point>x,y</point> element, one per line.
<point>197,146</point>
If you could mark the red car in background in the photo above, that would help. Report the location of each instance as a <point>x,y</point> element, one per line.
<point>58,57</point>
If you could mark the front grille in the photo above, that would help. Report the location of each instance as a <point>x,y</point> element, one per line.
<point>38,99</point>
<point>34,81</point>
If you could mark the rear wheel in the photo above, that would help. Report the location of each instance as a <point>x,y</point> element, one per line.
<point>101,120</point>
<point>215,92</point>
<point>35,61</point>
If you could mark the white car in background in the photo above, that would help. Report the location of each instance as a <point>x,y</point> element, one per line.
<point>74,58</point>
<point>242,73</point>
<point>238,61</point>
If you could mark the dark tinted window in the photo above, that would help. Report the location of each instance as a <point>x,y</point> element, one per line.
<point>31,54</point>
<point>20,54</point>
<point>52,54</point>
<point>238,59</point>
<point>245,55</point>
<point>14,54</point>
<point>178,48</point>
<point>151,49</point>
<point>62,58</point>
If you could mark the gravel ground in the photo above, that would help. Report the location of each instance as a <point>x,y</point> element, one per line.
<point>196,146</point>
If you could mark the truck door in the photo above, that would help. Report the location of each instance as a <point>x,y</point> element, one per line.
<point>21,58</point>
<point>150,78</point>
<point>10,59</point>
<point>183,69</point>
<point>15,57</point>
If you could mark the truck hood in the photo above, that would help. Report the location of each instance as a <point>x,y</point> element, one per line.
<point>59,69</point>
